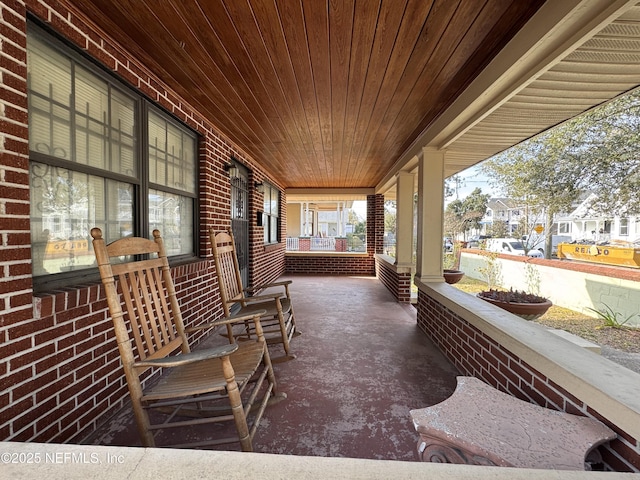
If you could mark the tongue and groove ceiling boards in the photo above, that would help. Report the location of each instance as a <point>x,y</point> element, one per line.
<point>343,93</point>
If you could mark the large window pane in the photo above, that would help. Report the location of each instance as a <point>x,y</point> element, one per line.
<point>84,131</point>
<point>172,159</point>
<point>173,216</point>
<point>172,166</point>
<point>101,132</point>
<point>49,101</point>
<point>271,208</point>
<point>65,205</point>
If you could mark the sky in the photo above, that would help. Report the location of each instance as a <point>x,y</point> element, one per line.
<point>472,178</point>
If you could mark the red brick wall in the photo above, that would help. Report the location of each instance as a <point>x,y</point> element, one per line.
<point>399,284</point>
<point>476,354</point>
<point>330,265</point>
<point>266,261</point>
<point>60,372</point>
<point>375,224</point>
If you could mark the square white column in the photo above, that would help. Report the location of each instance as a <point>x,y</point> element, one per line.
<point>430,215</point>
<point>404,219</point>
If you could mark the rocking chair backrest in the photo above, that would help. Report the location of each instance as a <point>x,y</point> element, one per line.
<point>228,269</point>
<point>148,294</point>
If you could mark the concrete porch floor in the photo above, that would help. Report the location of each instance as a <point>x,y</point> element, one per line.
<point>361,365</point>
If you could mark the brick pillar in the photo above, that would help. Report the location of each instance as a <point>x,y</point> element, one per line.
<point>17,302</point>
<point>375,224</point>
<point>304,244</point>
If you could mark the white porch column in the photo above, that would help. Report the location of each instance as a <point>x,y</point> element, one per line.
<point>404,219</point>
<point>430,215</point>
<point>307,226</point>
<point>343,224</point>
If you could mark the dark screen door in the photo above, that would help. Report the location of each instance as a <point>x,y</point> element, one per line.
<point>240,219</point>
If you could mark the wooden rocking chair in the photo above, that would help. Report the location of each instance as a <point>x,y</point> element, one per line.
<point>209,384</point>
<point>278,322</point>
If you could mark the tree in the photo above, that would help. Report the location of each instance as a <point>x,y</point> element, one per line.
<point>451,186</point>
<point>359,225</point>
<point>475,207</point>
<point>595,152</point>
<point>609,160</point>
<point>460,216</point>
<point>499,229</point>
<point>390,215</point>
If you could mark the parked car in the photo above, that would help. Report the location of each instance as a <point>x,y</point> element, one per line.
<point>510,246</point>
<point>474,242</point>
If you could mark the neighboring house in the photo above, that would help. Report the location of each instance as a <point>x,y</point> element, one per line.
<point>509,212</point>
<point>584,223</point>
<point>498,210</point>
<point>309,218</point>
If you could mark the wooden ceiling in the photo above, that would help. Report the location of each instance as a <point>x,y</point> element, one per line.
<point>321,93</point>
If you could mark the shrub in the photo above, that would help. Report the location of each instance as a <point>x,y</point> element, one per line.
<point>610,317</point>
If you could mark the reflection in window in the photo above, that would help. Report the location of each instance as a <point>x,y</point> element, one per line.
<point>173,216</point>
<point>65,205</point>
<point>271,213</point>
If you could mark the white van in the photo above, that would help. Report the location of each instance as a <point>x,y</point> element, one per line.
<point>510,246</point>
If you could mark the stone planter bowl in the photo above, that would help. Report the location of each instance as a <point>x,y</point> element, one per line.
<point>452,276</point>
<point>528,311</point>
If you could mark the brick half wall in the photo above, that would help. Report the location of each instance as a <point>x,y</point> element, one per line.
<point>343,264</point>
<point>72,379</point>
<point>475,353</point>
<point>397,280</point>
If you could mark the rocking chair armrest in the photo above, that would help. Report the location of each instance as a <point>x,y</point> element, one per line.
<point>228,320</point>
<point>283,283</point>
<point>262,298</point>
<point>191,357</point>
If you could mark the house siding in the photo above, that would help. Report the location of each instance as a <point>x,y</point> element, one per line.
<point>60,373</point>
